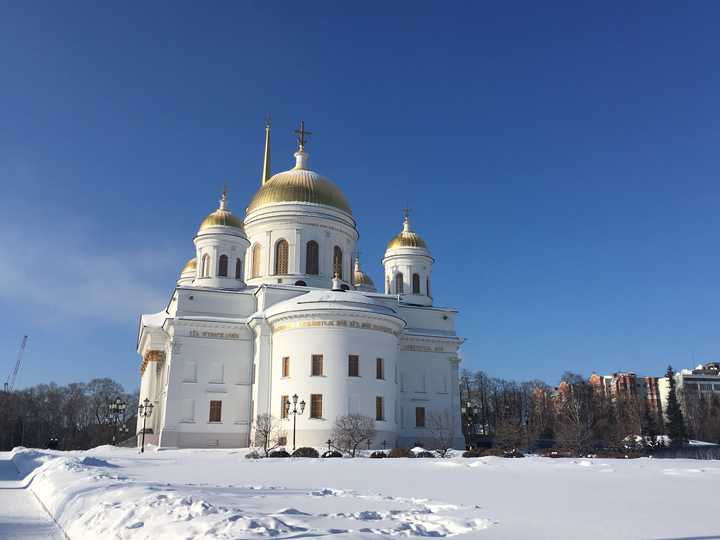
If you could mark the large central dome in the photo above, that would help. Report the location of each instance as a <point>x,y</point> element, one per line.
<point>299,185</point>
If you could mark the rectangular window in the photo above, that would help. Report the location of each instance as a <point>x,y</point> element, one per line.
<point>419,416</point>
<point>317,365</point>
<point>353,365</point>
<point>284,406</point>
<point>215,411</point>
<point>379,408</point>
<point>315,405</point>
<point>379,368</point>
<point>286,366</point>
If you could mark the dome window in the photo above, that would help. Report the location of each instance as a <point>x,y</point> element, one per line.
<point>312,254</point>
<point>399,283</point>
<point>416,283</point>
<point>338,262</point>
<point>281,257</point>
<point>238,268</point>
<point>223,266</point>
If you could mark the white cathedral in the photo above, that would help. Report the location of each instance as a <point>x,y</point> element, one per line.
<point>276,305</point>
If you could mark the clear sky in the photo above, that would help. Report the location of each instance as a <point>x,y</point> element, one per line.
<point>561,160</point>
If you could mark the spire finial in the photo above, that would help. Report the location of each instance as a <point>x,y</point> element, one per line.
<point>406,219</point>
<point>224,197</point>
<point>266,155</point>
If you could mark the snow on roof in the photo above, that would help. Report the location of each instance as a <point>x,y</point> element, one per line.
<point>154,320</point>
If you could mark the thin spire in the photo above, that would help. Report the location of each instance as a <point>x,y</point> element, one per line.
<point>266,156</point>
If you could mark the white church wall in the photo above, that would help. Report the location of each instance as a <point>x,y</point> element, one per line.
<point>209,362</point>
<point>429,376</point>
<point>341,393</point>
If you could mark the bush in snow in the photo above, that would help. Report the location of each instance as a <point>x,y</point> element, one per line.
<point>400,452</point>
<point>278,453</point>
<point>331,453</point>
<point>441,426</point>
<point>351,431</point>
<point>268,433</point>
<point>471,453</point>
<point>378,454</point>
<point>424,454</point>
<point>305,451</point>
<point>252,455</point>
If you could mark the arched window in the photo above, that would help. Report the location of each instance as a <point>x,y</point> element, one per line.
<point>312,255</point>
<point>223,266</point>
<point>281,257</point>
<point>238,269</point>
<point>416,283</point>
<point>205,268</point>
<point>256,256</point>
<point>398,283</point>
<point>427,285</point>
<point>337,262</point>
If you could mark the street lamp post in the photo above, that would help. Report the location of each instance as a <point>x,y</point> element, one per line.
<point>117,410</point>
<point>469,412</point>
<point>297,408</point>
<point>144,410</point>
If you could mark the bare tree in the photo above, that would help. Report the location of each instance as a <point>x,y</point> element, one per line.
<point>443,433</point>
<point>268,433</point>
<point>352,430</point>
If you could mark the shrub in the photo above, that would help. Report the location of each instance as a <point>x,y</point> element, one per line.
<point>278,453</point>
<point>424,454</point>
<point>497,452</point>
<point>331,453</point>
<point>305,451</point>
<point>514,453</point>
<point>378,454</point>
<point>400,452</point>
<point>252,455</point>
<point>471,454</point>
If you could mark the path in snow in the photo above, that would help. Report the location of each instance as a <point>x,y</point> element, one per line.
<point>21,515</point>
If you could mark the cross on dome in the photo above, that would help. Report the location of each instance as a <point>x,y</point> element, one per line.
<point>302,135</point>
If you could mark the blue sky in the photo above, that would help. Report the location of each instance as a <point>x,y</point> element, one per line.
<point>561,160</point>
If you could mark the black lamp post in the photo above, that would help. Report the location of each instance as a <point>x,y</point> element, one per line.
<point>297,408</point>
<point>117,411</point>
<point>329,443</point>
<point>144,411</point>
<point>469,412</point>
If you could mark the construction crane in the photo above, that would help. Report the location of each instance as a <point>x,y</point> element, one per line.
<point>10,382</point>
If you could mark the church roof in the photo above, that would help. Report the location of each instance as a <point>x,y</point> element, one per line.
<point>332,300</point>
<point>299,184</point>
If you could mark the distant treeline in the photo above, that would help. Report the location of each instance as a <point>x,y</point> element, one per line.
<point>576,416</point>
<point>75,416</point>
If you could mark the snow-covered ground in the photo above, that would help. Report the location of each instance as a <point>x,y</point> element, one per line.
<point>112,492</point>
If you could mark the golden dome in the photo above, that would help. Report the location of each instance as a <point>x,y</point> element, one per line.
<point>190,266</point>
<point>407,238</point>
<point>360,277</point>
<point>222,217</point>
<point>299,185</point>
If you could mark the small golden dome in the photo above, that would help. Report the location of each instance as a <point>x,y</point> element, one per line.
<point>407,238</point>
<point>190,266</point>
<point>299,185</point>
<point>222,217</point>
